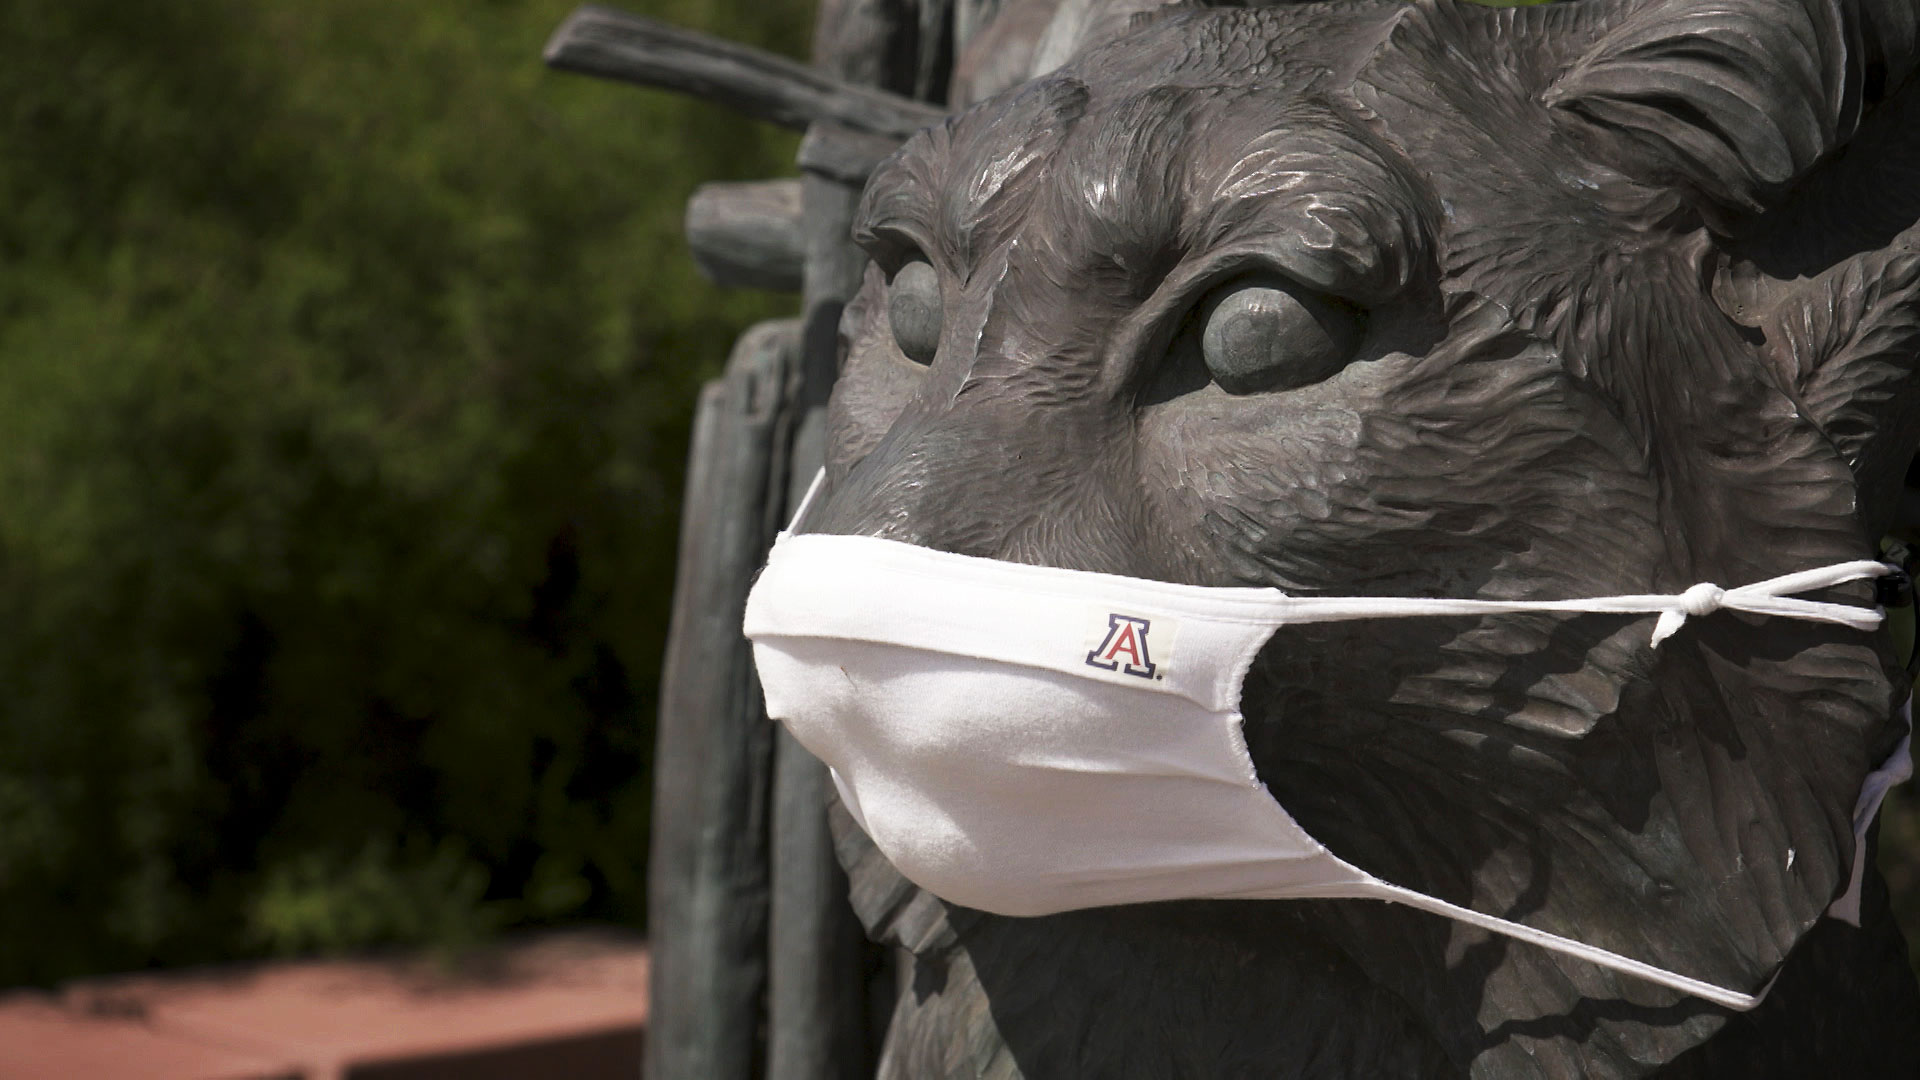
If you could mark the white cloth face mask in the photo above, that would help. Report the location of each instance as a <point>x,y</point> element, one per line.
<point>1027,740</point>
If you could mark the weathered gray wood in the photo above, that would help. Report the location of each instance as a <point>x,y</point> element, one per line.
<point>868,43</point>
<point>997,52</point>
<point>752,928</point>
<point>935,38</point>
<point>818,1017</point>
<point>613,44</point>
<point>816,1007</point>
<point>748,235</point>
<point>840,154</point>
<point>834,267</point>
<point>828,1001</point>
<point>709,878</point>
<point>900,45</point>
<point>970,17</point>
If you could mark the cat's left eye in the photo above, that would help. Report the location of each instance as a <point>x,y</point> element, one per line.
<point>914,309</point>
<point>1269,333</point>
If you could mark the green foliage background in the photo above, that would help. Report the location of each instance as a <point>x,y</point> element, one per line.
<point>346,357</point>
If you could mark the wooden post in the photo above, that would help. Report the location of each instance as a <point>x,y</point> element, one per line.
<point>826,989</point>
<point>709,877</point>
<point>818,1016</point>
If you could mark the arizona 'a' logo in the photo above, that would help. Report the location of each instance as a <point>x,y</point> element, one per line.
<point>1126,643</point>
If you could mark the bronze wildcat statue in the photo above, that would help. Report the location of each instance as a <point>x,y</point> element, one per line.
<point>1379,299</point>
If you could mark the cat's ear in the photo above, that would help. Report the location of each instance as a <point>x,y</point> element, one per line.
<point>1847,341</point>
<point>1733,101</point>
<point>1743,108</point>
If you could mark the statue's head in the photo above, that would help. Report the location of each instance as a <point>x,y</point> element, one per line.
<point>1441,300</point>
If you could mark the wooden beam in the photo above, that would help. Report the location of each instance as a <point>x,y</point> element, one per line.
<point>843,155</point>
<point>614,44</point>
<point>748,235</point>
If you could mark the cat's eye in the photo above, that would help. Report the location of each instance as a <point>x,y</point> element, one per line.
<point>1268,333</point>
<point>913,307</point>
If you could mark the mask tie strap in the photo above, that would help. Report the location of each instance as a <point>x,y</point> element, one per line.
<point>1605,958</point>
<point>1770,597</point>
<point>1774,596</point>
<point>1896,770</point>
<point>806,501</point>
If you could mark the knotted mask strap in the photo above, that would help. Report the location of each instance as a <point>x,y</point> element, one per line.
<point>1769,597</point>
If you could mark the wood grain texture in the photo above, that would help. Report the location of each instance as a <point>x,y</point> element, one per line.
<point>819,1013</point>
<point>630,48</point>
<point>748,234</point>
<point>844,155</point>
<point>709,878</point>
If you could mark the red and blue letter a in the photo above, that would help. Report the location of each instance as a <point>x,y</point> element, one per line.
<point>1126,643</point>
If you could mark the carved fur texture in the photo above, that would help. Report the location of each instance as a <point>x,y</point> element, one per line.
<point>1638,289</point>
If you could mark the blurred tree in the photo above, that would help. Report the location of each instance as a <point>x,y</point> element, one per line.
<point>345,363</point>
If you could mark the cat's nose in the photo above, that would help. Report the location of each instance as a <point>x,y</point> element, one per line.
<point>998,483</point>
